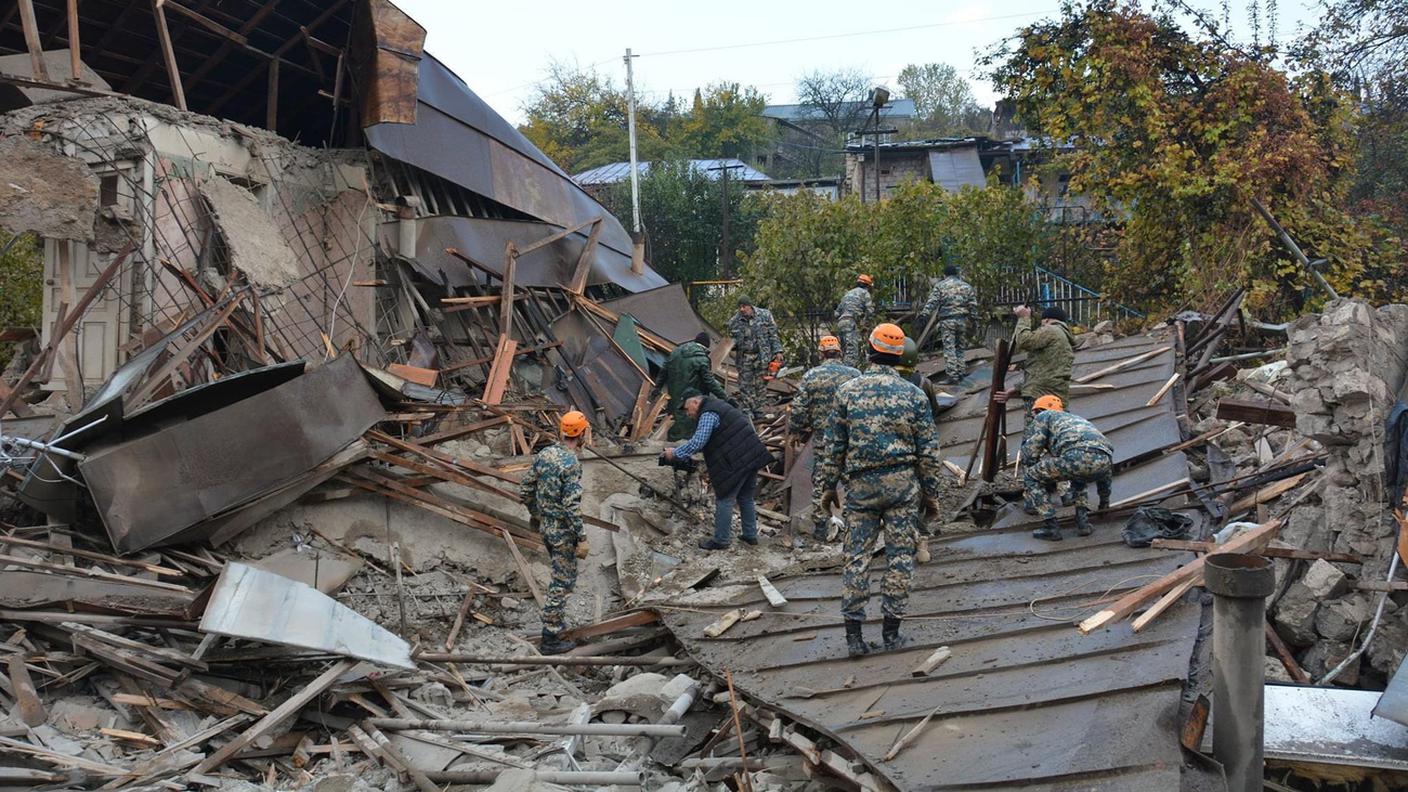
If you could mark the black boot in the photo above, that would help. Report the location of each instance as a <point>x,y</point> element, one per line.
<point>891,634</point>
<point>1082,521</point>
<point>855,643</point>
<point>1049,530</point>
<point>554,644</point>
<point>1104,504</point>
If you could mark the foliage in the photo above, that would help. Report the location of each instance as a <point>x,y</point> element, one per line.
<point>1177,134</point>
<point>578,118</point>
<point>21,285</point>
<point>725,121</point>
<point>943,101</point>
<point>809,250</point>
<point>682,211</point>
<point>1363,44</point>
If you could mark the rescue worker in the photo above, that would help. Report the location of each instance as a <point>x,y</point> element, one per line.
<point>908,361</point>
<point>1050,348</point>
<point>1062,446</point>
<point>856,310</point>
<point>687,368</point>
<point>882,443</point>
<point>811,410</point>
<point>734,455</point>
<point>757,353</point>
<point>552,491</point>
<point>954,304</point>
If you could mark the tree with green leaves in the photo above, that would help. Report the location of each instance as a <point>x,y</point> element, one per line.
<point>725,120</point>
<point>943,100</point>
<point>1176,133</point>
<point>578,118</point>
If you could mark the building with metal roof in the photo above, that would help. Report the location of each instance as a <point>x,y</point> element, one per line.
<point>711,168</point>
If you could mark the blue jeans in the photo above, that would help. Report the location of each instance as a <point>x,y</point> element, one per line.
<point>747,514</point>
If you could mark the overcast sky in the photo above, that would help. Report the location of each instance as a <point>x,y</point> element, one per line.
<point>502,49</point>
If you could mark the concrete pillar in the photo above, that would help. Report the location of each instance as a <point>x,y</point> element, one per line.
<point>1240,585</point>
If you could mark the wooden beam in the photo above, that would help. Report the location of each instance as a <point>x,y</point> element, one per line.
<point>1264,412</point>
<point>75,61</point>
<point>1269,552</point>
<point>173,73</point>
<point>271,100</point>
<point>1122,365</point>
<point>506,293</point>
<point>548,240</point>
<point>205,21</point>
<point>1251,541</point>
<point>497,382</point>
<point>1167,386</point>
<point>333,8</point>
<point>62,329</point>
<point>582,272</point>
<point>523,568</point>
<point>31,40</point>
<point>278,715</point>
<point>615,624</point>
<point>218,57</point>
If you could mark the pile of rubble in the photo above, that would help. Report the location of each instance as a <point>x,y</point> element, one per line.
<point>1308,427</point>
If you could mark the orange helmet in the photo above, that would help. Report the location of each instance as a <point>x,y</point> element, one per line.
<point>865,279</point>
<point>572,424</point>
<point>888,339</point>
<point>829,343</point>
<point>1048,402</point>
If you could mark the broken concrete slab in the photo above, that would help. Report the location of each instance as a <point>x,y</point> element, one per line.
<point>1325,580</point>
<point>256,247</point>
<point>45,193</point>
<point>1294,615</point>
<point>258,605</point>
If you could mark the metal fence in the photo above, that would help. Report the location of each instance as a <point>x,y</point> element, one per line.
<point>1043,287</point>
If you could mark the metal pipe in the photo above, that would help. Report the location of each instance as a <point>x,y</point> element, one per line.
<point>531,727</point>
<point>554,660</point>
<point>567,777</point>
<point>1240,585</point>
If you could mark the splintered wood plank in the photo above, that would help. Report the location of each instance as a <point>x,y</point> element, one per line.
<point>497,383</point>
<point>278,715</point>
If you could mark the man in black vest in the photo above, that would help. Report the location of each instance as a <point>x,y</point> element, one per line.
<point>734,455</point>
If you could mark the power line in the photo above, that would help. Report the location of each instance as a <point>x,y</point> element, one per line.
<point>852,34</point>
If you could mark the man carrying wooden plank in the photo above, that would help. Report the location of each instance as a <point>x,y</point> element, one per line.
<point>1060,446</point>
<point>811,410</point>
<point>552,491</point>
<point>883,443</point>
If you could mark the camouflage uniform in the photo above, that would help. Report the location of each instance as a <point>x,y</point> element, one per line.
<point>882,441</point>
<point>1060,446</point>
<point>855,312</point>
<point>755,344</point>
<point>552,491</point>
<point>811,410</point>
<point>1050,355</point>
<point>955,303</point>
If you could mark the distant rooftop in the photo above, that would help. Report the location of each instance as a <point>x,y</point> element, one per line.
<point>710,168</point>
<point>898,109</point>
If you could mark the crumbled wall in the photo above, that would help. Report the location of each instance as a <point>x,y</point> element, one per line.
<point>1347,367</point>
<point>41,191</point>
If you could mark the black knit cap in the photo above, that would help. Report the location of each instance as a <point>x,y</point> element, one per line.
<point>1053,312</point>
<point>702,339</point>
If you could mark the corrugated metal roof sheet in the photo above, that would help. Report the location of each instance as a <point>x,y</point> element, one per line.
<point>710,168</point>
<point>1025,701</point>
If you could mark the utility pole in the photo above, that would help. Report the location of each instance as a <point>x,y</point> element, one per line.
<point>631,130</point>
<point>725,244</point>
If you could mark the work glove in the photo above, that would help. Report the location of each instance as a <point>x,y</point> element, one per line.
<point>829,499</point>
<point>583,548</point>
<point>534,522</point>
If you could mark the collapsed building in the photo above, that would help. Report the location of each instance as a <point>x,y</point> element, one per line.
<point>309,304</point>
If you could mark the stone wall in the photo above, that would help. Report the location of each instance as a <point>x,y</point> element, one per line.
<point>1347,367</point>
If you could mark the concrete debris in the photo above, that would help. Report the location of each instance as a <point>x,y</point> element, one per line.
<point>44,193</point>
<point>255,245</point>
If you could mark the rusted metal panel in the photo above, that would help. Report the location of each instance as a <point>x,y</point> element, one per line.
<point>1025,701</point>
<point>459,137</point>
<point>391,70</point>
<point>483,240</point>
<point>159,486</point>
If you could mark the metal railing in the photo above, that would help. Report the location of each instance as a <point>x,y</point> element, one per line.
<point>1044,287</point>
